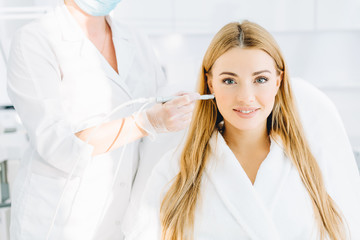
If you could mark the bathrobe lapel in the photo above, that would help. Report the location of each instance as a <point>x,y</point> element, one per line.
<point>249,208</point>
<point>272,175</point>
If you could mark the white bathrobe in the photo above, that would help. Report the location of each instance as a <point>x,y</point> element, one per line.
<point>277,206</point>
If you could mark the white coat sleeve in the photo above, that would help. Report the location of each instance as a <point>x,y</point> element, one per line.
<point>34,85</point>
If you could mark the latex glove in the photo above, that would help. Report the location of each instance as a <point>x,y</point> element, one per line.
<point>171,116</point>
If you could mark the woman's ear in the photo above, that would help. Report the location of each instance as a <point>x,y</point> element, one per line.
<point>209,82</point>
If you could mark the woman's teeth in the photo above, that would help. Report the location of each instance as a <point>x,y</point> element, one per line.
<point>246,111</point>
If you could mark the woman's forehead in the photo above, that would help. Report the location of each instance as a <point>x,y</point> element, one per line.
<point>244,60</point>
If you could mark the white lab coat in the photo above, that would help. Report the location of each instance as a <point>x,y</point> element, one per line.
<point>60,84</point>
<point>277,206</point>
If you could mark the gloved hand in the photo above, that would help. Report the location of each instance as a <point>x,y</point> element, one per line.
<point>171,116</point>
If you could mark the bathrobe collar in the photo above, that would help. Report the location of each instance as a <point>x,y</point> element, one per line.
<point>251,205</point>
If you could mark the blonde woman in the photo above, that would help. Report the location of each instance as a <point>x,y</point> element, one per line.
<point>247,170</point>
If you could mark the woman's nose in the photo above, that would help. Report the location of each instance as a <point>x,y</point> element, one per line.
<point>245,94</point>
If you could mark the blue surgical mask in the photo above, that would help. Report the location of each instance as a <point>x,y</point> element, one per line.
<point>97,7</point>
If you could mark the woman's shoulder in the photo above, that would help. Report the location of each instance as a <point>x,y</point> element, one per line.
<point>169,165</point>
<point>160,179</point>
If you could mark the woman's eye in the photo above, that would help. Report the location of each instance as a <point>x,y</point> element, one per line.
<point>261,80</point>
<point>229,81</point>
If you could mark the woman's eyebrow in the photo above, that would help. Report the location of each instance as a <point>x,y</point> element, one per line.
<point>235,75</point>
<point>259,72</point>
<point>228,73</point>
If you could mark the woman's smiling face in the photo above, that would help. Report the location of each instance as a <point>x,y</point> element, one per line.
<point>245,83</point>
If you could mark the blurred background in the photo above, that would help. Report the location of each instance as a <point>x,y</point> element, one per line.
<point>319,38</point>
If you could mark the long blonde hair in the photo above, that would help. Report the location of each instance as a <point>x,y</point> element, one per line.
<point>178,206</point>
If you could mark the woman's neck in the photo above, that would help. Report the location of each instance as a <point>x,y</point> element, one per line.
<point>91,25</point>
<point>247,142</point>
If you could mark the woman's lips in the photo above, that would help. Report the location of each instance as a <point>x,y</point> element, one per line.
<point>246,112</point>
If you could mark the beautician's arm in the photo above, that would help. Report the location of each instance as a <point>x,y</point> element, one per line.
<point>109,136</point>
<point>172,116</point>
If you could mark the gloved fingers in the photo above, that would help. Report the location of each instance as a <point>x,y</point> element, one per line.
<point>174,115</point>
<point>185,117</point>
<point>184,109</point>
<point>183,99</point>
<point>172,111</point>
<point>181,93</point>
<point>180,119</point>
<point>178,125</point>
